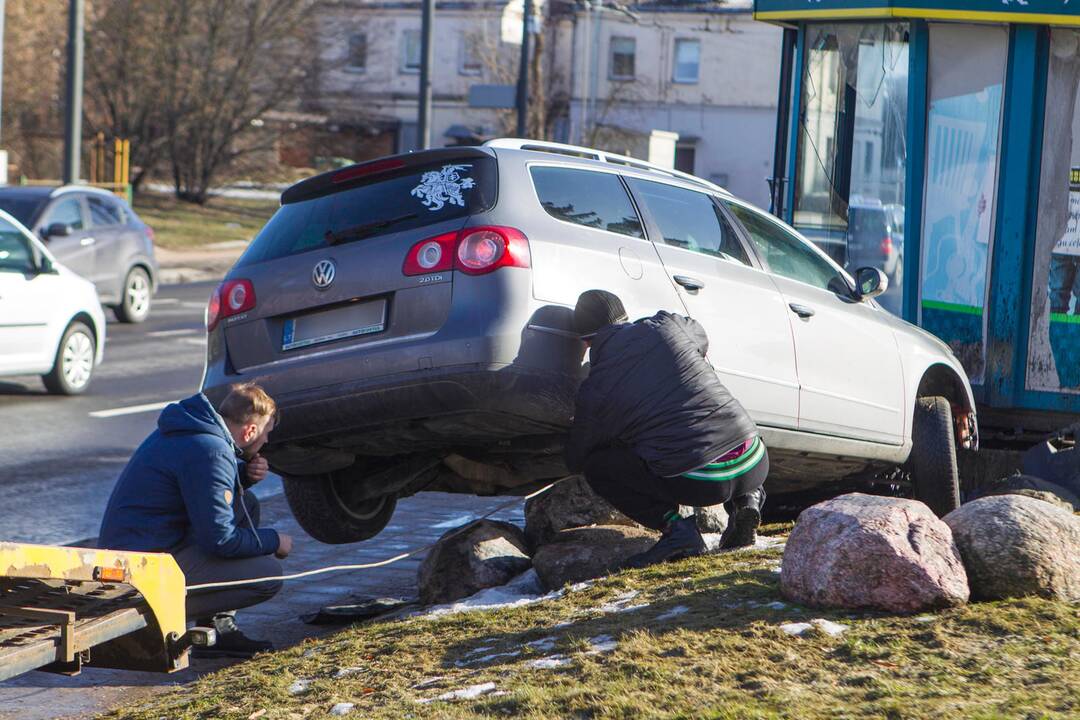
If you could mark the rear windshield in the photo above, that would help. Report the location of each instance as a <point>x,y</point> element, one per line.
<point>419,196</point>
<point>22,209</point>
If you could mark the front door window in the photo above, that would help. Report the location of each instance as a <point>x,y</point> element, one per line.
<point>963,129</point>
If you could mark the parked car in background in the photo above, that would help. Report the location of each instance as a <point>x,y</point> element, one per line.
<point>412,317</point>
<point>876,238</point>
<point>96,234</point>
<point>51,322</point>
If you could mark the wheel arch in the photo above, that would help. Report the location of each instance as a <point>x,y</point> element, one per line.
<point>86,319</point>
<point>145,265</point>
<point>940,379</point>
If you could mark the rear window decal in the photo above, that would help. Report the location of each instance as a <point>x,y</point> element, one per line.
<point>439,187</point>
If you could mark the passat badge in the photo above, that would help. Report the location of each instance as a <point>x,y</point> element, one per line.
<point>323,274</point>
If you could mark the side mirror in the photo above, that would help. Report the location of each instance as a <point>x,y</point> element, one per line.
<point>45,266</point>
<point>870,282</point>
<point>57,230</point>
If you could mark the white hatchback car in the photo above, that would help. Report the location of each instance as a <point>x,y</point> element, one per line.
<point>51,322</point>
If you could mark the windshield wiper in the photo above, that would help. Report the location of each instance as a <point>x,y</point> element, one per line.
<point>359,231</point>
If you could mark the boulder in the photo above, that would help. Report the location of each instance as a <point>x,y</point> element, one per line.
<point>711,519</point>
<point>570,504</point>
<point>1014,546</point>
<point>861,551</point>
<point>1035,487</point>
<point>584,553</point>
<point>479,555</point>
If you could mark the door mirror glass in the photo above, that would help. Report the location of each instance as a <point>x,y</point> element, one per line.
<point>57,230</point>
<point>870,282</point>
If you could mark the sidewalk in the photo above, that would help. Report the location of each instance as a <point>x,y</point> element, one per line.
<point>418,521</point>
<point>207,263</point>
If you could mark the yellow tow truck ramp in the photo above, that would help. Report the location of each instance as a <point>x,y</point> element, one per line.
<point>65,607</point>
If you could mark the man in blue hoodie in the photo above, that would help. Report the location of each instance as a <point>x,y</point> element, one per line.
<point>184,493</point>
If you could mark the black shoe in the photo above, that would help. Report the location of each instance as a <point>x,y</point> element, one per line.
<point>743,520</point>
<point>231,643</point>
<point>681,539</point>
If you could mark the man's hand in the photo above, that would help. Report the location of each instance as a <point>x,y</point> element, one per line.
<point>257,468</point>
<point>284,546</point>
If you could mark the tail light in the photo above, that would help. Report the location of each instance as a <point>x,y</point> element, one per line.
<point>231,297</point>
<point>150,234</point>
<point>887,246</point>
<point>475,251</point>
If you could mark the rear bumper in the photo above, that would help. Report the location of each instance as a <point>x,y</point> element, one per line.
<point>425,410</point>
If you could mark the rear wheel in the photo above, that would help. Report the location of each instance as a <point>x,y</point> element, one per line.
<point>328,509</point>
<point>74,362</point>
<point>135,304</point>
<point>934,475</point>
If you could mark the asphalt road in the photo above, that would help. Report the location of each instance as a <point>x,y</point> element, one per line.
<point>60,456</point>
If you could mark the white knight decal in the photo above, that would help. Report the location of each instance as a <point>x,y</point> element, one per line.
<point>439,187</point>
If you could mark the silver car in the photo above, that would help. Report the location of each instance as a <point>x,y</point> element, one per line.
<point>412,317</point>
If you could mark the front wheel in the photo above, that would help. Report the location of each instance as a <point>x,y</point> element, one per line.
<point>74,363</point>
<point>135,304</point>
<point>935,478</point>
<point>326,508</point>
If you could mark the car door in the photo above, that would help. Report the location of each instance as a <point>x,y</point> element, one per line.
<point>745,317</point>
<point>112,245</point>
<point>75,251</point>
<point>850,377</point>
<point>24,305</point>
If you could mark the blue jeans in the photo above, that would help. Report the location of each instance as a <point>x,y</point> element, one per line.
<point>1064,281</point>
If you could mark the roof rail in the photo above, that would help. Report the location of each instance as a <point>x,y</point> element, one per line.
<point>600,155</point>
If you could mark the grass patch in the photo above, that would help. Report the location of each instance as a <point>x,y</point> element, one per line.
<point>185,226</point>
<point>724,656</point>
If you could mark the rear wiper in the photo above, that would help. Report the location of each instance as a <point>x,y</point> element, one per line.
<point>359,231</point>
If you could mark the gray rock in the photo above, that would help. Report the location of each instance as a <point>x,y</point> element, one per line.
<point>570,504</point>
<point>711,519</point>
<point>484,554</point>
<point>1035,487</point>
<point>584,553</point>
<point>866,552</point>
<point>1014,546</point>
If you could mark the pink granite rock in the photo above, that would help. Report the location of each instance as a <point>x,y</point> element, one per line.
<point>866,552</point>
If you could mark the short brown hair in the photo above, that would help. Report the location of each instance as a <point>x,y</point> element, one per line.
<point>247,402</point>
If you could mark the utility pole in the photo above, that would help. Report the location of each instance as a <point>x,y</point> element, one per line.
<point>3,171</point>
<point>73,119</point>
<point>423,125</point>
<point>523,73</point>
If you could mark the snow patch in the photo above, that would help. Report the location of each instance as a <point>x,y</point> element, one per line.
<point>621,603</point>
<point>342,708</point>
<point>299,687</point>
<point>346,672</point>
<point>602,644</point>
<point>487,658</point>
<point>826,626</point>
<point>473,691</point>
<point>549,662</point>
<point>454,522</point>
<point>673,613</point>
<point>776,605</point>
<point>579,586</point>
<point>524,589</point>
<point>542,645</point>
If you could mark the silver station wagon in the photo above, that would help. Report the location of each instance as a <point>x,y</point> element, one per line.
<point>412,318</point>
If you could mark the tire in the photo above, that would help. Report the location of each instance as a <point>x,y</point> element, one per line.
<point>320,504</point>
<point>135,299</point>
<point>934,475</point>
<point>74,363</point>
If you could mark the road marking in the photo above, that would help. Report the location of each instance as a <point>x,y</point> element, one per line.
<point>130,410</point>
<point>199,305</point>
<point>166,301</point>
<point>201,342</point>
<point>170,333</point>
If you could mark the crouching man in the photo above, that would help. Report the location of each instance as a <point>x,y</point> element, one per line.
<point>654,428</point>
<point>184,493</point>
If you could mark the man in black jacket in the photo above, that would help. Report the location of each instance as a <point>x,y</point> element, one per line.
<point>654,428</point>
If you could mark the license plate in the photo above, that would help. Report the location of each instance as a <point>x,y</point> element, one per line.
<point>362,318</point>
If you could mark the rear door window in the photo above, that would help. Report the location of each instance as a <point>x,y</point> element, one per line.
<point>104,212</point>
<point>67,211</point>
<point>583,197</point>
<point>387,203</point>
<point>690,220</point>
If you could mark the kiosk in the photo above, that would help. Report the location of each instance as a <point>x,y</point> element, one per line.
<point>940,141</point>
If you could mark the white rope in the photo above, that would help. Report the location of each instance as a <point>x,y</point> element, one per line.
<point>367,566</point>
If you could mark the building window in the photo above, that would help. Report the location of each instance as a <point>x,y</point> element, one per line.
<point>471,59</point>
<point>687,60</point>
<point>410,51</point>
<point>621,64</point>
<point>357,59</point>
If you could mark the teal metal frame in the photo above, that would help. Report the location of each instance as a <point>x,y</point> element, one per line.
<point>799,58</point>
<point>918,63</point>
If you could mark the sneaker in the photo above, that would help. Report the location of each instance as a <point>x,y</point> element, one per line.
<point>743,521</point>
<point>231,642</point>
<point>680,539</point>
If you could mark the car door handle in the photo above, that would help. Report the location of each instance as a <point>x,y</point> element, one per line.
<point>86,241</point>
<point>689,283</point>
<point>801,310</point>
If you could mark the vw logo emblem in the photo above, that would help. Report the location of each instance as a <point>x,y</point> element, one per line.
<point>323,274</point>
